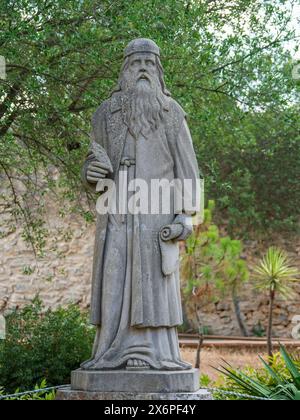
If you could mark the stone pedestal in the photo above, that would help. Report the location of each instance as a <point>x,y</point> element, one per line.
<point>134,385</point>
<point>68,394</point>
<point>144,381</point>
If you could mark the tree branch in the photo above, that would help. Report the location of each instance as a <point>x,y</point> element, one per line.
<point>18,204</point>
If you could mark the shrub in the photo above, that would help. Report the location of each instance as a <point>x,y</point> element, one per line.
<point>37,396</point>
<point>43,344</point>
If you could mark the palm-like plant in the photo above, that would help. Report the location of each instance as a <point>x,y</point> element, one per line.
<point>275,274</point>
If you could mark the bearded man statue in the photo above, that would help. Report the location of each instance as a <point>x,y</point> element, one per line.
<point>136,303</point>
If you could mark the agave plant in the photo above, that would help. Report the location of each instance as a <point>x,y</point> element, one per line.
<point>281,387</point>
<point>275,274</point>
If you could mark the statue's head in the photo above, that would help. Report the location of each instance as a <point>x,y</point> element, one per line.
<point>142,65</point>
<point>142,82</point>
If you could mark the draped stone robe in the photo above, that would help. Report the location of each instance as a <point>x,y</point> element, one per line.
<point>137,307</point>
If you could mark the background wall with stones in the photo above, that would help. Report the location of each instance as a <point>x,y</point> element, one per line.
<point>63,276</point>
<point>220,318</point>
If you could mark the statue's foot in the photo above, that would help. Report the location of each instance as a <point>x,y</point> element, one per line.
<point>137,364</point>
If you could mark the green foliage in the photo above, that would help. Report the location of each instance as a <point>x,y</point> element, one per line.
<point>43,344</point>
<point>37,396</point>
<point>278,381</point>
<point>255,181</point>
<point>212,268</point>
<point>258,330</point>
<point>225,62</point>
<point>275,273</point>
<point>205,381</point>
<point>212,262</point>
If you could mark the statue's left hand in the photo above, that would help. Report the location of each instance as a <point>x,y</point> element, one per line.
<point>187,224</point>
<point>96,171</point>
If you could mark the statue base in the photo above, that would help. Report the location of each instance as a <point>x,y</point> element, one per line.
<point>127,381</point>
<point>67,394</point>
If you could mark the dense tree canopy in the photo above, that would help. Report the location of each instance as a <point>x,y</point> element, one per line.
<point>226,62</point>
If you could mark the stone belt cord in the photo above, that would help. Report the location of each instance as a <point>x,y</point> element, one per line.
<point>125,161</point>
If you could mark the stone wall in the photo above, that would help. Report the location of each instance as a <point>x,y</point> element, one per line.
<point>220,317</point>
<point>63,275</point>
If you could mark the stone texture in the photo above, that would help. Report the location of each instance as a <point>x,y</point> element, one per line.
<point>61,276</point>
<point>149,381</point>
<point>67,394</point>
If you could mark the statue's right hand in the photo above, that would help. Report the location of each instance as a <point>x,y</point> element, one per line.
<point>96,171</point>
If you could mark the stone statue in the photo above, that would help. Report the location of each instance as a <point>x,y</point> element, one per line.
<point>136,303</point>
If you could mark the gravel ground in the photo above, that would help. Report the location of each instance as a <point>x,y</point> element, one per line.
<point>213,358</point>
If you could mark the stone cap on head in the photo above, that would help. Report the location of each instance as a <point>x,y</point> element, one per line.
<point>141,45</point>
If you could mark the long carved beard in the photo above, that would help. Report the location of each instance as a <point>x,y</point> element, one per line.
<point>143,109</point>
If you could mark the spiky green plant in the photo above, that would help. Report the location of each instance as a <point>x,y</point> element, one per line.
<point>277,382</point>
<point>275,274</point>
